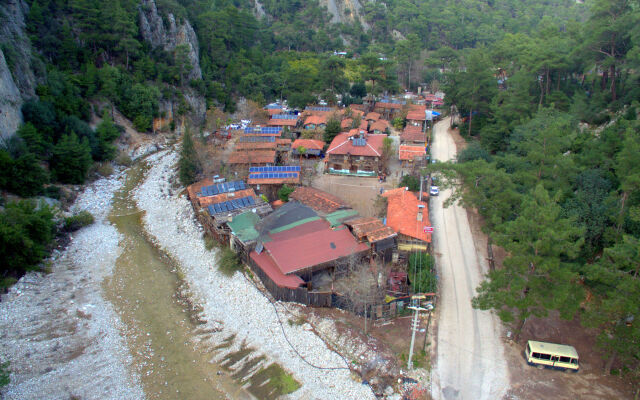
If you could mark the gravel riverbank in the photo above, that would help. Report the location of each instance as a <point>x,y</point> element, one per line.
<point>61,337</point>
<point>233,305</point>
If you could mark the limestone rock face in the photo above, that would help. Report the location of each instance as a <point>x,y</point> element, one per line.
<point>10,101</point>
<point>155,32</point>
<point>17,80</point>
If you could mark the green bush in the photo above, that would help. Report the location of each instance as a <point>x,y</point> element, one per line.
<point>71,159</point>
<point>26,230</point>
<point>284,192</point>
<point>80,220</point>
<point>228,261</point>
<point>189,165</point>
<point>421,273</point>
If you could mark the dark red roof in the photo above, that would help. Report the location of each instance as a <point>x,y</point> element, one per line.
<point>413,133</point>
<point>282,122</point>
<point>342,145</point>
<point>300,230</point>
<point>314,248</point>
<point>317,199</point>
<point>265,262</point>
<point>308,144</point>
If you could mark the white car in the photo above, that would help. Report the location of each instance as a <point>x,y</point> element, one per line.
<point>434,191</point>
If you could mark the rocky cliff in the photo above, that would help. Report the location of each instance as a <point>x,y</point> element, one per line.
<point>17,81</point>
<point>153,30</point>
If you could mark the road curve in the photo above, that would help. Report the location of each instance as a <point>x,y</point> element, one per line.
<point>470,361</point>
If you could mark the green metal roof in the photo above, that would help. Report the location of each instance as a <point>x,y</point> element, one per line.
<point>336,217</point>
<point>294,224</point>
<point>243,226</point>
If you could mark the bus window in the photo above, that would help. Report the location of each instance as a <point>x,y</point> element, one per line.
<point>545,356</point>
<point>536,355</point>
<point>565,359</point>
<point>574,361</point>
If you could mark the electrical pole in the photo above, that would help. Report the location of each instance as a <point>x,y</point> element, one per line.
<point>415,300</point>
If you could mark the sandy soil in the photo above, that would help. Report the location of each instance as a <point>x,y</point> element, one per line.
<point>468,345</point>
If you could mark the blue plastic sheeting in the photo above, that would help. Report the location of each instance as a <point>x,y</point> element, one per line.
<point>283,168</point>
<point>231,205</point>
<point>319,108</point>
<point>221,188</point>
<point>273,175</point>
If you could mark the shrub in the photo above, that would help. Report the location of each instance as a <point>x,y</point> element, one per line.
<point>124,159</point>
<point>228,261</point>
<point>80,220</point>
<point>188,164</point>
<point>284,192</point>
<point>421,274</point>
<point>71,159</point>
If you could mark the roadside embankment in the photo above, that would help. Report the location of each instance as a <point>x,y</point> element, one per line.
<point>61,337</point>
<point>231,305</point>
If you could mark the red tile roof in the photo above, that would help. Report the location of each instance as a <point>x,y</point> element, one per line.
<point>357,107</point>
<point>253,157</point>
<point>390,106</point>
<point>316,120</point>
<point>413,133</point>
<point>195,188</point>
<point>372,116</point>
<point>255,146</point>
<point>417,113</point>
<point>283,141</point>
<point>346,123</point>
<point>308,144</point>
<point>370,228</point>
<point>282,122</point>
<point>274,111</point>
<point>402,214</point>
<point>317,199</point>
<point>364,125</point>
<point>319,247</point>
<point>407,152</point>
<point>342,145</point>
<point>380,125</point>
<point>273,181</point>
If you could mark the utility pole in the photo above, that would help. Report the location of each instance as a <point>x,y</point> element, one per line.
<point>415,300</point>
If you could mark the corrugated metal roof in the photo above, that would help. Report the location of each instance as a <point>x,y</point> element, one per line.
<point>243,226</point>
<point>336,218</point>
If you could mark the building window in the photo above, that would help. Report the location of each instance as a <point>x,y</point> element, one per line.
<point>337,166</point>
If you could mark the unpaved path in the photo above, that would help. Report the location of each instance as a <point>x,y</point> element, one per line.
<point>470,356</point>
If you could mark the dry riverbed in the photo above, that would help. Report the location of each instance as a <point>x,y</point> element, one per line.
<point>61,337</point>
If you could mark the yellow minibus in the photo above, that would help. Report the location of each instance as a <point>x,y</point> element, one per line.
<point>552,355</point>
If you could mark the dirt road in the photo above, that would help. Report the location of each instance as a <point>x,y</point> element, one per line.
<point>470,360</point>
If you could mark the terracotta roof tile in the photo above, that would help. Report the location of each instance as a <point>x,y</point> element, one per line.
<point>380,125</point>
<point>283,141</point>
<point>407,152</point>
<point>413,133</point>
<point>316,120</point>
<point>255,146</point>
<point>346,123</point>
<point>308,144</point>
<point>390,106</point>
<point>195,188</point>
<point>342,145</point>
<point>370,228</point>
<point>317,199</point>
<point>402,214</point>
<point>372,116</point>
<point>282,122</point>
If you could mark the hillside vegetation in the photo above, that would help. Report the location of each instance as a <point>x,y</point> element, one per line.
<point>547,90</point>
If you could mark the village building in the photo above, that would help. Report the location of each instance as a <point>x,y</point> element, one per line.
<point>381,238</point>
<point>411,155</point>
<point>217,203</point>
<point>413,135</point>
<point>379,127</point>
<point>284,120</point>
<point>388,108</point>
<point>312,147</point>
<point>244,158</point>
<point>355,153</point>
<point>270,179</point>
<point>315,122</point>
<point>409,216</point>
<point>295,251</point>
<point>372,117</point>
<point>274,108</point>
<point>417,115</point>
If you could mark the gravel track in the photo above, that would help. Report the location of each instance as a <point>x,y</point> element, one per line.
<point>233,305</point>
<point>61,337</point>
<point>470,356</point>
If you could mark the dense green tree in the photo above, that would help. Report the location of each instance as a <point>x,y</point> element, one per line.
<point>106,133</point>
<point>536,276</point>
<point>71,159</point>
<point>189,165</point>
<point>332,129</point>
<point>25,232</point>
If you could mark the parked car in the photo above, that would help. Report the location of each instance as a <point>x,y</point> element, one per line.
<point>434,191</point>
